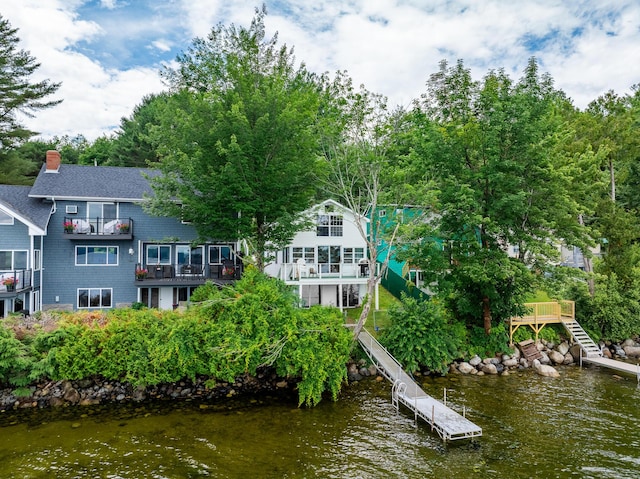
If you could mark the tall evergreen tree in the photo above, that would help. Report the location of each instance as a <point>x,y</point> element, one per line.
<point>18,96</point>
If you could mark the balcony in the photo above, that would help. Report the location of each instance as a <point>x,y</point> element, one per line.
<point>187,274</point>
<point>301,272</point>
<point>14,282</point>
<point>120,229</point>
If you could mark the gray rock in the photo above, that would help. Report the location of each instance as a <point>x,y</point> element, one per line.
<point>516,354</point>
<point>465,368</point>
<point>489,369</point>
<point>524,363</point>
<point>373,371</point>
<point>545,369</point>
<point>505,357</point>
<point>364,372</point>
<point>488,361</point>
<point>545,358</point>
<point>474,361</point>
<point>563,348</point>
<point>628,342</point>
<point>72,396</point>
<point>632,351</point>
<point>568,359</point>
<point>575,351</point>
<point>619,351</point>
<point>510,363</point>
<point>556,357</point>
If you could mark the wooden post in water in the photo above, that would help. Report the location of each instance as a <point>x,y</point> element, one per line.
<point>433,416</point>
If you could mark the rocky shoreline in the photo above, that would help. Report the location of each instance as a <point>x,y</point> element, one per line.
<point>89,392</point>
<point>550,355</point>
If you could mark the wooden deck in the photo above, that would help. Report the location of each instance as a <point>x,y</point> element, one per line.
<point>541,314</point>
<point>447,423</point>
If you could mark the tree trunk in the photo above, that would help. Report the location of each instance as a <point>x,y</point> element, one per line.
<point>588,268</point>
<point>486,315</point>
<point>366,307</point>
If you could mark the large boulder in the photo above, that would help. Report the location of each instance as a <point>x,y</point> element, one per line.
<point>474,361</point>
<point>545,370</point>
<point>632,351</point>
<point>465,368</point>
<point>563,348</point>
<point>510,363</point>
<point>575,351</point>
<point>545,358</point>
<point>556,357</point>
<point>489,368</point>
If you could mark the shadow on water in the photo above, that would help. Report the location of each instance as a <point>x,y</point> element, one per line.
<point>583,424</point>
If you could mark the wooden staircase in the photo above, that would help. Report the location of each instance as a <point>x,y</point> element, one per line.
<point>529,350</point>
<point>581,337</point>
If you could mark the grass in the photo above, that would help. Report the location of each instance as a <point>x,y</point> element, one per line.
<point>376,319</point>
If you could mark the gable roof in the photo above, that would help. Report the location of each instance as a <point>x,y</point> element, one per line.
<point>30,211</point>
<point>338,208</point>
<point>104,183</point>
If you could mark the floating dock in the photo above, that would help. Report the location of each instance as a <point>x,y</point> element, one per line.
<point>449,425</point>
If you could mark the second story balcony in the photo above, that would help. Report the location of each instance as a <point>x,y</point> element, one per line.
<point>13,282</point>
<point>302,271</point>
<point>98,228</point>
<point>187,274</point>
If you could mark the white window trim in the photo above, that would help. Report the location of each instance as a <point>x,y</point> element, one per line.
<point>89,298</point>
<point>13,259</point>
<point>117,248</point>
<point>146,254</point>
<point>9,221</point>
<point>37,260</point>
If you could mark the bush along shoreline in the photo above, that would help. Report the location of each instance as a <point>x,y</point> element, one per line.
<point>100,391</point>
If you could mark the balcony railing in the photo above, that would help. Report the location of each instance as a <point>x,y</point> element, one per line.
<point>15,281</point>
<point>98,228</point>
<point>194,273</point>
<point>303,271</point>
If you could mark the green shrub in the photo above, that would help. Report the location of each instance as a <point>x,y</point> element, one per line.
<point>488,345</point>
<point>420,335</point>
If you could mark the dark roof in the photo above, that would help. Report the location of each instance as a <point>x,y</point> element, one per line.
<point>93,182</point>
<point>16,198</point>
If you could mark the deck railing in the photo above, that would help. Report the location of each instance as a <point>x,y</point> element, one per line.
<point>193,272</point>
<point>99,226</point>
<point>304,271</point>
<point>18,280</point>
<point>547,311</point>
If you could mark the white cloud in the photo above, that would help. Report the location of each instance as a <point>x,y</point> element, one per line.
<point>392,46</point>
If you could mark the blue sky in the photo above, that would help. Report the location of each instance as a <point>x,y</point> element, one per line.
<point>107,53</point>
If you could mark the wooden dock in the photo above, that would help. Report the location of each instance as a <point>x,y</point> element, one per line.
<point>620,366</point>
<point>446,422</point>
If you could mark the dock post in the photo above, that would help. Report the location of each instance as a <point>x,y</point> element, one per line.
<point>433,417</point>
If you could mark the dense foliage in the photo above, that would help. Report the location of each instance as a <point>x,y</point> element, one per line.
<point>238,139</point>
<point>230,332</point>
<point>421,335</point>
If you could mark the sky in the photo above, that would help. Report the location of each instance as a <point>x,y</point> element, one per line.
<point>108,53</point>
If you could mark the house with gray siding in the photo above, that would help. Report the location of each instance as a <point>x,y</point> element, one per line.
<point>102,250</point>
<point>23,225</point>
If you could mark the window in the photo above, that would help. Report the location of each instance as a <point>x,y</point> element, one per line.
<point>219,253</point>
<point>5,218</point>
<point>306,253</point>
<point>100,213</point>
<point>329,259</point>
<point>329,225</point>
<point>96,255</point>
<point>353,255</point>
<point>94,298</point>
<point>382,213</point>
<point>13,260</point>
<point>188,256</point>
<point>158,254</point>
<point>71,209</point>
<point>36,259</point>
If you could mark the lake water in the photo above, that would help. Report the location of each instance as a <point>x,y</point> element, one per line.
<point>585,424</point>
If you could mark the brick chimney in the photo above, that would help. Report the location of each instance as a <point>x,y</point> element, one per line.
<point>53,161</point>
